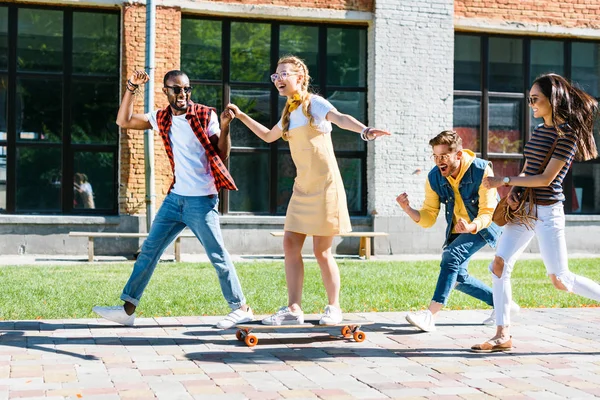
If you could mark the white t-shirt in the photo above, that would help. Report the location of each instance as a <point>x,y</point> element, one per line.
<point>319,107</point>
<point>193,176</point>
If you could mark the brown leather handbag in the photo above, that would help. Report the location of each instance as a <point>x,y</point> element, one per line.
<point>525,213</point>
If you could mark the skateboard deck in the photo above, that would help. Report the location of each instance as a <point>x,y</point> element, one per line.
<point>350,329</point>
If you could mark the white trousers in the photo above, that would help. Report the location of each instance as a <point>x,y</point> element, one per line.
<point>550,231</point>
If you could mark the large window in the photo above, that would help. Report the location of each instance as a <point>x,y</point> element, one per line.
<point>492,78</point>
<point>59,89</point>
<point>231,60</point>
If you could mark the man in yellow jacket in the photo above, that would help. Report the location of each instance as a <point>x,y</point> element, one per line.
<point>456,181</point>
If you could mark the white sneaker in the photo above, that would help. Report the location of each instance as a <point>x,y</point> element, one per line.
<point>331,316</point>
<point>491,320</point>
<point>115,314</point>
<point>238,316</point>
<point>285,316</point>
<point>422,320</point>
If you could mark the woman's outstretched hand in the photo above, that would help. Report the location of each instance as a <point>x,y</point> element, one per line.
<point>374,133</point>
<point>234,109</point>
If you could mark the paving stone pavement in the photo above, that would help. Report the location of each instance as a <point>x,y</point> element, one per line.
<point>556,356</point>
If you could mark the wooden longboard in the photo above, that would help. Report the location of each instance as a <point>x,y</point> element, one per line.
<point>350,329</point>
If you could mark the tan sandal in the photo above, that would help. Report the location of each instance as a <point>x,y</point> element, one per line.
<point>493,346</point>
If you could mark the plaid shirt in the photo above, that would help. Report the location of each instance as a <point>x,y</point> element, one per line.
<point>198,117</point>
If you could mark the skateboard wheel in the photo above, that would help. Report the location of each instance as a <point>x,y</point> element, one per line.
<point>239,335</point>
<point>359,336</point>
<point>346,331</point>
<point>251,340</point>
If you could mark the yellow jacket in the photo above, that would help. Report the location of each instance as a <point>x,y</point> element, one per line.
<point>487,199</point>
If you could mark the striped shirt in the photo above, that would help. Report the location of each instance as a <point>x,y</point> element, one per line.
<point>535,153</point>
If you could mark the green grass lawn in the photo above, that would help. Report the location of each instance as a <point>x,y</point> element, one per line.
<point>48,292</point>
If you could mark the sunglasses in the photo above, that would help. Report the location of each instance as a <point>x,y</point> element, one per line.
<point>178,89</point>
<point>282,75</point>
<point>532,100</point>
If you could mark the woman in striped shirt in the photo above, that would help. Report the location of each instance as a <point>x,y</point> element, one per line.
<point>568,114</point>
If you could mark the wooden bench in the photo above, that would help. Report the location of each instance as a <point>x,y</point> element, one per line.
<point>364,247</point>
<point>92,235</point>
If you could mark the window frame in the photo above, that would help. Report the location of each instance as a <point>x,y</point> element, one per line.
<point>274,149</point>
<point>485,95</point>
<point>67,147</point>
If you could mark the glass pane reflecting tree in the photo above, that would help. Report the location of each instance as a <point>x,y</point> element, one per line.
<point>95,43</point>
<point>209,95</point>
<point>256,103</point>
<point>94,112</point>
<point>201,48</point>
<point>39,110</point>
<point>250,49</point>
<point>40,40</point>
<point>346,56</point>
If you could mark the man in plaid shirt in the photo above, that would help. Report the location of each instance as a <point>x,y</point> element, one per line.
<point>196,148</point>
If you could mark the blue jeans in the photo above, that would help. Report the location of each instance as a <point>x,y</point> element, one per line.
<point>199,213</point>
<point>453,270</point>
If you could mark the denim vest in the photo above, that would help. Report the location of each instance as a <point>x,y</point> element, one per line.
<point>469,191</point>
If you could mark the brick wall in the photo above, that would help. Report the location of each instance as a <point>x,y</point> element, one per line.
<point>568,13</point>
<point>350,5</point>
<point>167,57</point>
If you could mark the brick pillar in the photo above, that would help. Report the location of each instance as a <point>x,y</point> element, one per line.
<point>411,82</point>
<point>167,53</point>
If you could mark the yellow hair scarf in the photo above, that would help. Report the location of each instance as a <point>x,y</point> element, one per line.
<point>294,102</point>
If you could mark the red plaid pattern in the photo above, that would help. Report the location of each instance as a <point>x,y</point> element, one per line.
<point>198,116</point>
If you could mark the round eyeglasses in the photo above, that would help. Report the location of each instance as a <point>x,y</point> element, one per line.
<point>282,75</point>
<point>441,157</point>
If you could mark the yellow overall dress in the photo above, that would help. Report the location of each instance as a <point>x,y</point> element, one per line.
<point>318,205</point>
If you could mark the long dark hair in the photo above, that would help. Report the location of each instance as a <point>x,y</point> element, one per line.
<point>574,107</point>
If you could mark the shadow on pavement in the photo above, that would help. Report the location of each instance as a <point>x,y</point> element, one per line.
<point>44,326</point>
<point>264,351</point>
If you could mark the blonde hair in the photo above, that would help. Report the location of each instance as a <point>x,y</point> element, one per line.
<point>300,67</point>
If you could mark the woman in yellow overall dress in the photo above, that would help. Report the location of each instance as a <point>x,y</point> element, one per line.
<point>318,204</point>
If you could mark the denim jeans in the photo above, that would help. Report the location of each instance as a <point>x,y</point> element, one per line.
<point>199,213</point>
<point>453,270</point>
